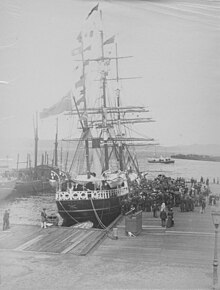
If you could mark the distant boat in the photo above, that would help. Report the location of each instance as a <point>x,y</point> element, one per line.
<point>154,160</point>
<point>162,160</point>
<point>166,160</point>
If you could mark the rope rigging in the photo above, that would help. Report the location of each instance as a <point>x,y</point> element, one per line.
<point>101,223</point>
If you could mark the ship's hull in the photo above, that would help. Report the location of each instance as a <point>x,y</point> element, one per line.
<point>161,161</point>
<point>7,188</point>
<point>96,210</point>
<point>32,187</point>
<point>168,162</point>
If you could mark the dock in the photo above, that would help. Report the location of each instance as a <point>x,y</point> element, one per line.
<point>56,240</point>
<point>180,257</point>
<point>70,240</point>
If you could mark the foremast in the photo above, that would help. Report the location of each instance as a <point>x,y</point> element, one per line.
<point>85,128</point>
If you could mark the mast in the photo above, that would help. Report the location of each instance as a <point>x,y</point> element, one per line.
<point>104,114</point>
<point>36,146</point>
<point>121,164</point>
<point>56,146</point>
<point>17,162</point>
<point>86,128</point>
<point>61,157</point>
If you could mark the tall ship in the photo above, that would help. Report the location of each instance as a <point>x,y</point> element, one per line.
<point>33,180</point>
<point>104,162</point>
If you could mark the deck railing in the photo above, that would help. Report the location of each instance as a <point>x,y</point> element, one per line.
<point>91,194</point>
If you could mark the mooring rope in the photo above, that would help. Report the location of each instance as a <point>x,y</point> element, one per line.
<point>97,217</point>
<point>101,223</point>
<point>68,213</point>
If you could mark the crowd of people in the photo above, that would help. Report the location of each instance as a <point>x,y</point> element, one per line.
<point>150,195</point>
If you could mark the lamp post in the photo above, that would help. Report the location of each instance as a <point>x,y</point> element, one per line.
<point>216,222</point>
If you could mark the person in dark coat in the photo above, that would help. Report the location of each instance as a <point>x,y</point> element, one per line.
<point>182,204</point>
<point>43,219</point>
<point>6,220</point>
<point>203,206</point>
<point>170,220</point>
<point>163,217</point>
<point>154,209</point>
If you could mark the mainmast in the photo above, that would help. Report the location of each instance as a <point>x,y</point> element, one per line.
<point>121,164</point>
<point>104,114</point>
<point>56,145</point>
<point>85,127</point>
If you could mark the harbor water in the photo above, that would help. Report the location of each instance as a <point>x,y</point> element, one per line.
<point>26,210</point>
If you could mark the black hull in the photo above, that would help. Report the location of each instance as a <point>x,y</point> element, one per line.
<point>73,211</point>
<point>7,189</point>
<point>32,187</point>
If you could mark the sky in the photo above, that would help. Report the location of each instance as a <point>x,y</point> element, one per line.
<point>175,49</point>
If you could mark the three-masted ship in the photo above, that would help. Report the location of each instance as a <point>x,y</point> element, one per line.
<point>104,162</point>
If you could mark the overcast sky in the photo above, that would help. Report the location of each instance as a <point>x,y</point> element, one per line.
<point>175,48</point>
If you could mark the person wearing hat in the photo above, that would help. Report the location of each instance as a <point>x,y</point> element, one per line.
<point>163,217</point>
<point>170,220</point>
<point>6,220</point>
<point>43,218</point>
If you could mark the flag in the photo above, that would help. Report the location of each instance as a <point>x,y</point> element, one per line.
<point>82,92</point>
<point>84,116</point>
<point>93,9</point>
<point>110,40</point>
<point>80,100</point>
<point>80,83</point>
<point>87,48</point>
<point>65,104</point>
<point>79,37</point>
<point>76,51</point>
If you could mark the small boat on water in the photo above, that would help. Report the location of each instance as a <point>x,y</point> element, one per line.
<point>153,160</point>
<point>167,160</point>
<point>162,160</point>
<point>104,162</point>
